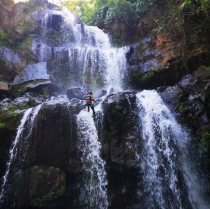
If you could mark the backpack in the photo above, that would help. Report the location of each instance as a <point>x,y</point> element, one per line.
<point>88,99</point>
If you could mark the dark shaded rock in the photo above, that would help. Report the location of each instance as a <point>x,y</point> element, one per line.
<point>189,100</point>
<point>118,138</point>
<point>77,105</point>
<point>76,92</point>
<point>120,146</point>
<point>54,127</point>
<point>55,22</point>
<point>188,81</point>
<point>7,136</point>
<point>29,190</point>
<point>49,139</point>
<point>20,101</point>
<point>170,96</point>
<point>167,51</point>
<point>44,88</point>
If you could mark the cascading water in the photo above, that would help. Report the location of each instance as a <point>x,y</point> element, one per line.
<point>93,189</point>
<point>28,117</point>
<point>92,61</point>
<point>166,180</point>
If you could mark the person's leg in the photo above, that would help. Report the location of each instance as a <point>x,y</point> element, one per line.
<point>88,107</point>
<point>92,107</point>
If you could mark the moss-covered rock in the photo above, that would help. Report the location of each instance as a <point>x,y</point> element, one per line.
<point>29,190</point>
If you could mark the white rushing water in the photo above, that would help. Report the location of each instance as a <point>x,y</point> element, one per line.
<point>30,114</point>
<point>93,62</point>
<point>93,193</point>
<point>167,180</point>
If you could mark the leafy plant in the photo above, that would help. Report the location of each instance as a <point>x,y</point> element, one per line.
<point>204,4</point>
<point>9,119</point>
<point>2,125</point>
<point>206,140</point>
<point>45,92</point>
<point>55,194</point>
<point>5,38</point>
<point>13,107</point>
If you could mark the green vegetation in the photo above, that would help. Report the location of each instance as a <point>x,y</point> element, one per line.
<point>45,92</point>
<point>119,17</point>
<point>205,145</point>
<point>13,108</point>
<point>152,74</point>
<point>100,12</point>
<point>61,190</point>
<point>2,125</point>
<point>18,90</point>
<point>43,114</point>
<point>206,140</point>
<point>54,37</point>
<point>55,194</point>
<point>103,12</point>
<point>5,38</point>
<point>9,119</point>
<point>204,5</point>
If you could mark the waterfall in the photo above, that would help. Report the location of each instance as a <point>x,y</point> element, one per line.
<point>28,117</point>
<point>86,56</point>
<point>93,184</point>
<point>167,179</point>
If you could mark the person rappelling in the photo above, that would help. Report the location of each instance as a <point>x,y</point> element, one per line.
<point>89,102</point>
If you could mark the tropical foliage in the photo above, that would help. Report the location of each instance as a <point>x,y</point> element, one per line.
<point>100,12</point>
<point>203,5</point>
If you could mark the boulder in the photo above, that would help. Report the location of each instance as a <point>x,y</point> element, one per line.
<point>44,88</point>
<point>10,63</point>
<point>48,141</point>
<point>35,72</point>
<point>120,138</point>
<point>76,92</point>
<point>29,190</point>
<point>119,117</point>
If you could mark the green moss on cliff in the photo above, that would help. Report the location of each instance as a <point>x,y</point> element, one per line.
<point>5,38</point>
<point>9,119</point>
<point>149,79</point>
<point>18,90</point>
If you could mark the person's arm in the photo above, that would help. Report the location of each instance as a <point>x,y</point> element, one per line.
<point>93,99</point>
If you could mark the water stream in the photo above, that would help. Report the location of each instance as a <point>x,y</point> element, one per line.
<point>28,117</point>
<point>167,176</point>
<point>92,61</point>
<point>93,192</point>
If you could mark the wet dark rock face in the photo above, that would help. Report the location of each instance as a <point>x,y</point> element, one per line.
<point>46,155</point>
<point>190,97</point>
<point>166,51</point>
<point>29,187</point>
<point>120,147</point>
<point>189,100</point>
